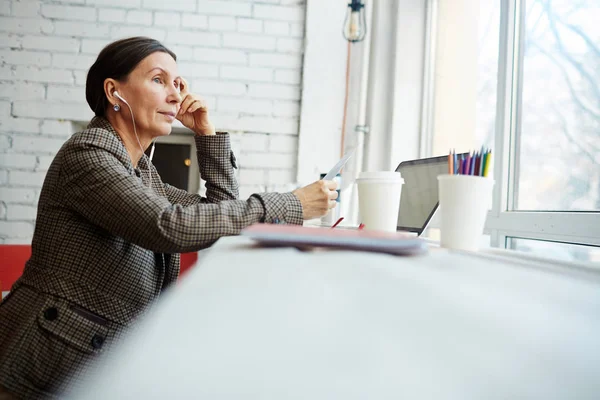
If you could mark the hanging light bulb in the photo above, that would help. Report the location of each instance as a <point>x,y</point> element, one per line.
<point>355,26</point>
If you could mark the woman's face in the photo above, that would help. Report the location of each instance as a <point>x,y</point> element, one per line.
<point>152,91</point>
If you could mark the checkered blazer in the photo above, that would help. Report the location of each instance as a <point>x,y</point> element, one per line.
<point>106,244</point>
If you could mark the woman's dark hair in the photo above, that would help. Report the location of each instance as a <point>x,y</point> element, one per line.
<point>116,61</point>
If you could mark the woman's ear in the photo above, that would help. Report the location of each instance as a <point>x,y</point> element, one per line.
<point>110,86</point>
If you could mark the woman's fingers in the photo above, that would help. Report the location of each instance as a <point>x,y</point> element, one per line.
<point>191,104</point>
<point>331,185</point>
<point>187,102</point>
<point>317,198</point>
<point>196,105</point>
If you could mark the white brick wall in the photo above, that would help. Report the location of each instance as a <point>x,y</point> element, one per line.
<point>5,7</point>
<point>139,17</point>
<point>19,212</point>
<point>216,7</point>
<point>74,13</point>
<point>167,19</point>
<point>244,56</point>
<point>12,57</point>
<point>21,91</point>
<point>111,15</point>
<point>217,23</point>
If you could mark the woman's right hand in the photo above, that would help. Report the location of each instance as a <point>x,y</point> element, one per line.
<point>317,198</point>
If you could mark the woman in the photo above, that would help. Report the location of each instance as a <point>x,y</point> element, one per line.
<point>108,230</point>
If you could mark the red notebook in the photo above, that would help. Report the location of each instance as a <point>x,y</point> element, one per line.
<point>298,236</point>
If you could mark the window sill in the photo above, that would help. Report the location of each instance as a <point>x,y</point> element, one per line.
<point>521,257</point>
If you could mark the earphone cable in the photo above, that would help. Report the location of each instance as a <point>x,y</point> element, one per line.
<point>139,144</point>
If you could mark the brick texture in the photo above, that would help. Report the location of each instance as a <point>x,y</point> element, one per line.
<point>243,56</point>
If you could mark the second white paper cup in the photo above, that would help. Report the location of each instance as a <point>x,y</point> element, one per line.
<point>379,199</point>
<point>464,203</point>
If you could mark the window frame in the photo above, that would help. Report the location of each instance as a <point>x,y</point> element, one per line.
<point>427,107</point>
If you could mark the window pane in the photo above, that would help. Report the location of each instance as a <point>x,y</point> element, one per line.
<point>558,151</point>
<point>560,251</point>
<point>487,72</point>
<point>471,87</point>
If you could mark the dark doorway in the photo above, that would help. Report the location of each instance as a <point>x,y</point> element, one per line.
<point>173,163</point>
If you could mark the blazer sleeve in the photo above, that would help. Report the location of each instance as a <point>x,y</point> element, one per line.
<point>99,187</point>
<point>216,163</point>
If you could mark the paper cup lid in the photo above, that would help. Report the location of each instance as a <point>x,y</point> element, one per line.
<point>388,176</point>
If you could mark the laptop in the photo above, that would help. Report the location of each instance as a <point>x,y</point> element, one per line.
<point>419,200</point>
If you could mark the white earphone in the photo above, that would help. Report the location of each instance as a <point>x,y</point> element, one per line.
<point>118,96</point>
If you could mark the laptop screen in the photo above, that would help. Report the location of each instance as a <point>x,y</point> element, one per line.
<point>419,198</point>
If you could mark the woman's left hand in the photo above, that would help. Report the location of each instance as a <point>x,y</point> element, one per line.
<point>193,113</point>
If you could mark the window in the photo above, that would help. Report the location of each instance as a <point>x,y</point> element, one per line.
<point>455,124</point>
<point>558,144</point>
<point>487,71</point>
<point>537,106</point>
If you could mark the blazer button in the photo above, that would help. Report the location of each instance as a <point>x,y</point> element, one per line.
<point>51,313</point>
<point>97,342</point>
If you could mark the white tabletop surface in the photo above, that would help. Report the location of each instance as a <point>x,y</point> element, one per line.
<point>258,323</point>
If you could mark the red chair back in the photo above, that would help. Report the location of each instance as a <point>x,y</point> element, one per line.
<point>14,256</point>
<point>12,261</point>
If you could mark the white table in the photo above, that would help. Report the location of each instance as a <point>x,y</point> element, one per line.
<point>283,324</point>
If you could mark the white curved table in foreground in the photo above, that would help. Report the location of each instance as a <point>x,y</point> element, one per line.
<point>282,324</point>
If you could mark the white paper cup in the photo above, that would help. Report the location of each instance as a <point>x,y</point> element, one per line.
<point>464,203</point>
<point>379,199</point>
